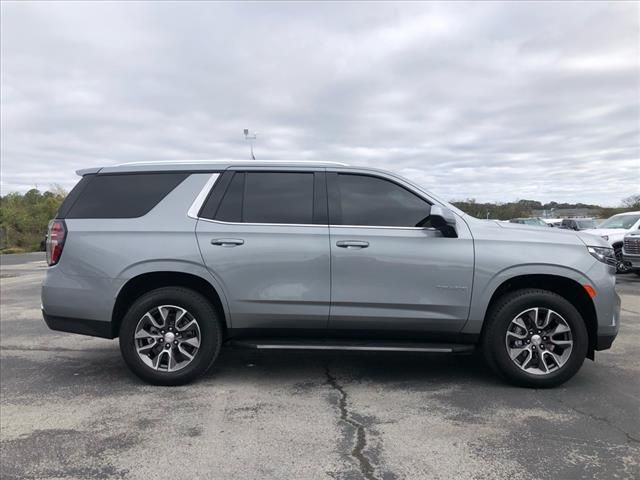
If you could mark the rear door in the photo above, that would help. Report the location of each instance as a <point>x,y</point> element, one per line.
<point>264,236</point>
<point>390,270</point>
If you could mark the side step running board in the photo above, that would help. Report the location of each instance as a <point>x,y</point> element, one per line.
<point>369,346</point>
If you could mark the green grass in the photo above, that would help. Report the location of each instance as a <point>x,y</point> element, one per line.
<point>10,250</point>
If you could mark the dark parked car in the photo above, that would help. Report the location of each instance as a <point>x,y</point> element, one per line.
<point>578,223</point>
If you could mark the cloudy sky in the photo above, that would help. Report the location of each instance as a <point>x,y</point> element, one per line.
<point>490,101</point>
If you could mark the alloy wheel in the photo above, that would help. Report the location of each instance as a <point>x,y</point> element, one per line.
<point>539,341</point>
<point>167,338</point>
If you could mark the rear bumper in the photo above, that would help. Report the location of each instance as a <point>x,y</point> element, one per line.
<point>604,342</point>
<point>93,328</point>
<point>78,300</point>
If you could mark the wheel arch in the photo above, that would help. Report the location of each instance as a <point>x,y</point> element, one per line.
<point>566,287</point>
<point>145,282</point>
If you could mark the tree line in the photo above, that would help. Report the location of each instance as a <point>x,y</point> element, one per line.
<point>524,208</point>
<point>24,216</point>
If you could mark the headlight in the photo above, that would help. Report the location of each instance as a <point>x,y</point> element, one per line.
<point>604,255</point>
<point>606,237</point>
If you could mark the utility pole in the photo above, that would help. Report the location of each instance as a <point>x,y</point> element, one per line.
<point>250,138</point>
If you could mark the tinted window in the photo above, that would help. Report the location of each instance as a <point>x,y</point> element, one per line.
<point>230,209</point>
<point>273,197</point>
<point>73,195</point>
<point>268,197</point>
<point>585,224</point>
<point>121,196</point>
<point>373,201</point>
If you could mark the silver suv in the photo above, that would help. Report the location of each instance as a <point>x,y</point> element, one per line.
<point>178,259</point>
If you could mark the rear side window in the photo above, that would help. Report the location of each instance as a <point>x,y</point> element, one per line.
<point>119,195</point>
<point>278,198</point>
<point>372,201</point>
<point>230,209</point>
<point>268,197</point>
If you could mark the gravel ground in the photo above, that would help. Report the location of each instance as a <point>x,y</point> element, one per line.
<point>70,409</point>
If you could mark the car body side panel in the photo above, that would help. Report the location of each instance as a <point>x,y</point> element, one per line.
<point>278,278</point>
<point>406,279</point>
<point>100,255</point>
<point>505,253</point>
<point>195,268</point>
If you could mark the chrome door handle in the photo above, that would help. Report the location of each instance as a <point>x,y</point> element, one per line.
<point>352,244</point>
<point>227,242</point>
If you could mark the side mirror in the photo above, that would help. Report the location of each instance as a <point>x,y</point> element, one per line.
<point>444,220</point>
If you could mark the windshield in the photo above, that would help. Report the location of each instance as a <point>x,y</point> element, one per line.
<point>584,224</point>
<point>620,221</point>
<point>534,221</point>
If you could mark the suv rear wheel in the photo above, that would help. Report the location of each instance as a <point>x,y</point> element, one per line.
<point>535,338</point>
<point>170,336</point>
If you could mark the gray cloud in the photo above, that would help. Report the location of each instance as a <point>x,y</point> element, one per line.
<point>491,101</point>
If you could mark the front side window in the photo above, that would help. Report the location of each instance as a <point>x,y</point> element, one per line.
<point>373,201</point>
<point>268,197</point>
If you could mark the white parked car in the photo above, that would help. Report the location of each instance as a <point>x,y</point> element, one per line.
<point>631,251</point>
<point>613,231</point>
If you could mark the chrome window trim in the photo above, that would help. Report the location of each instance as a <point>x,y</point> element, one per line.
<point>204,193</point>
<point>312,225</point>
<point>381,226</point>
<point>195,207</point>
<point>264,224</point>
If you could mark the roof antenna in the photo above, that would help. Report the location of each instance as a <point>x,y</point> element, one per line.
<point>250,138</point>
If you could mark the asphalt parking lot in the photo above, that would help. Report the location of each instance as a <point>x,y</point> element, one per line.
<point>70,409</point>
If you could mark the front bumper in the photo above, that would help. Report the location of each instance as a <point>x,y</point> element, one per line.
<point>608,332</point>
<point>607,305</point>
<point>634,260</point>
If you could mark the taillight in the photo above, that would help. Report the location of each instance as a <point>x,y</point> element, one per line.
<point>55,241</point>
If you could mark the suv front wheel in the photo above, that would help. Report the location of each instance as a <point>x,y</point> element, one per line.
<point>170,336</point>
<point>535,338</point>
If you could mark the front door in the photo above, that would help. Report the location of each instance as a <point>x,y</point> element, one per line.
<point>389,269</point>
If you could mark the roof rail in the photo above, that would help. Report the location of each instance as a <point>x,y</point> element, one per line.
<point>178,162</point>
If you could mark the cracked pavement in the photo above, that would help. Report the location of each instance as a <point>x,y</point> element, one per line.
<point>69,409</point>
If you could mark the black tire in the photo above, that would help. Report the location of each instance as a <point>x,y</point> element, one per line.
<point>498,320</point>
<point>210,332</point>
<point>622,267</point>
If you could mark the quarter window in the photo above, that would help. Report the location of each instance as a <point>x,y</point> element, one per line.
<point>230,209</point>
<point>372,201</point>
<point>118,195</point>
